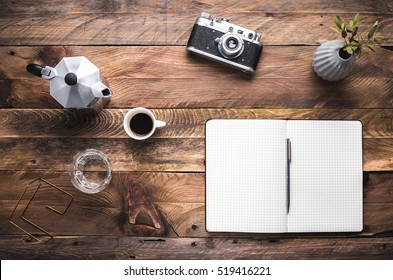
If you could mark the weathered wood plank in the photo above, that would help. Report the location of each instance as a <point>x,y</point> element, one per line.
<point>144,62</point>
<point>135,74</point>
<point>178,199</point>
<point>99,214</point>
<point>45,7</point>
<point>197,248</point>
<point>124,154</point>
<point>170,29</point>
<point>163,154</point>
<point>356,92</point>
<point>291,6</point>
<point>181,123</point>
<point>105,213</point>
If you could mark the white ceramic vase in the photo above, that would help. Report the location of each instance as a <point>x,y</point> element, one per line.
<point>328,64</point>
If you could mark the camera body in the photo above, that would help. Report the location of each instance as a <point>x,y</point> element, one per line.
<point>226,43</point>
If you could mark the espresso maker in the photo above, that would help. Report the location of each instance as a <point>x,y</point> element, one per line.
<point>75,82</point>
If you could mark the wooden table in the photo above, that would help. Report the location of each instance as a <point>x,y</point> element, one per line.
<point>139,47</point>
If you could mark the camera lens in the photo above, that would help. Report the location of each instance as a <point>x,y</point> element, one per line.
<point>230,45</point>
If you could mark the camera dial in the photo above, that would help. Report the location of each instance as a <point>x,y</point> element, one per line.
<point>230,45</point>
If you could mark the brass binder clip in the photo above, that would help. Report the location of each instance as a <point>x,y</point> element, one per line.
<point>41,182</point>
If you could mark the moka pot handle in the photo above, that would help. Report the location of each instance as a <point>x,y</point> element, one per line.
<point>35,69</point>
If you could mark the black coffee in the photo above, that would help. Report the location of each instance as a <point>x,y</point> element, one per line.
<point>141,124</point>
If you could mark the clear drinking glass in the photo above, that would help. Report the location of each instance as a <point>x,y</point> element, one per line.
<point>90,171</point>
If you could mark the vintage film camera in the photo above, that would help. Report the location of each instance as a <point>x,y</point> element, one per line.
<point>224,42</point>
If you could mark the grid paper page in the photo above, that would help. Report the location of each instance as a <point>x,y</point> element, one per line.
<point>246,176</point>
<point>326,176</point>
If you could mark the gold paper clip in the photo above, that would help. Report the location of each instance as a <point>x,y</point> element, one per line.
<point>40,180</point>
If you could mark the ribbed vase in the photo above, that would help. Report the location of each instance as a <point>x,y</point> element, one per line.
<point>328,64</point>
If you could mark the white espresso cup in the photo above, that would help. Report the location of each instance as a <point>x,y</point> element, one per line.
<point>140,123</point>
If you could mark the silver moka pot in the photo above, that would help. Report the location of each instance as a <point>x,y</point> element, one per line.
<point>75,82</point>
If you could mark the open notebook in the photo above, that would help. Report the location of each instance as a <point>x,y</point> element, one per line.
<point>284,176</point>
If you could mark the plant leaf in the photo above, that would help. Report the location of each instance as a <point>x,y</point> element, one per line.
<point>372,30</point>
<point>343,34</point>
<point>338,21</point>
<point>370,48</point>
<point>355,43</point>
<point>356,20</point>
<point>355,31</point>
<point>380,40</point>
<point>335,29</point>
<point>349,50</point>
<point>381,37</point>
<point>351,23</point>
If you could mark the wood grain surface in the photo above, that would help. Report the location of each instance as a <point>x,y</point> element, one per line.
<point>177,147</point>
<point>169,22</point>
<point>197,248</point>
<point>185,7</point>
<point>172,29</point>
<point>154,207</point>
<point>284,79</point>
<point>181,123</point>
<point>164,154</point>
<point>177,200</point>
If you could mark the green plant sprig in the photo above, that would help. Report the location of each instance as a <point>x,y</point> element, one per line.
<point>354,42</point>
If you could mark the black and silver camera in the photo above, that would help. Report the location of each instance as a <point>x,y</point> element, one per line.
<point>224,42</point>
